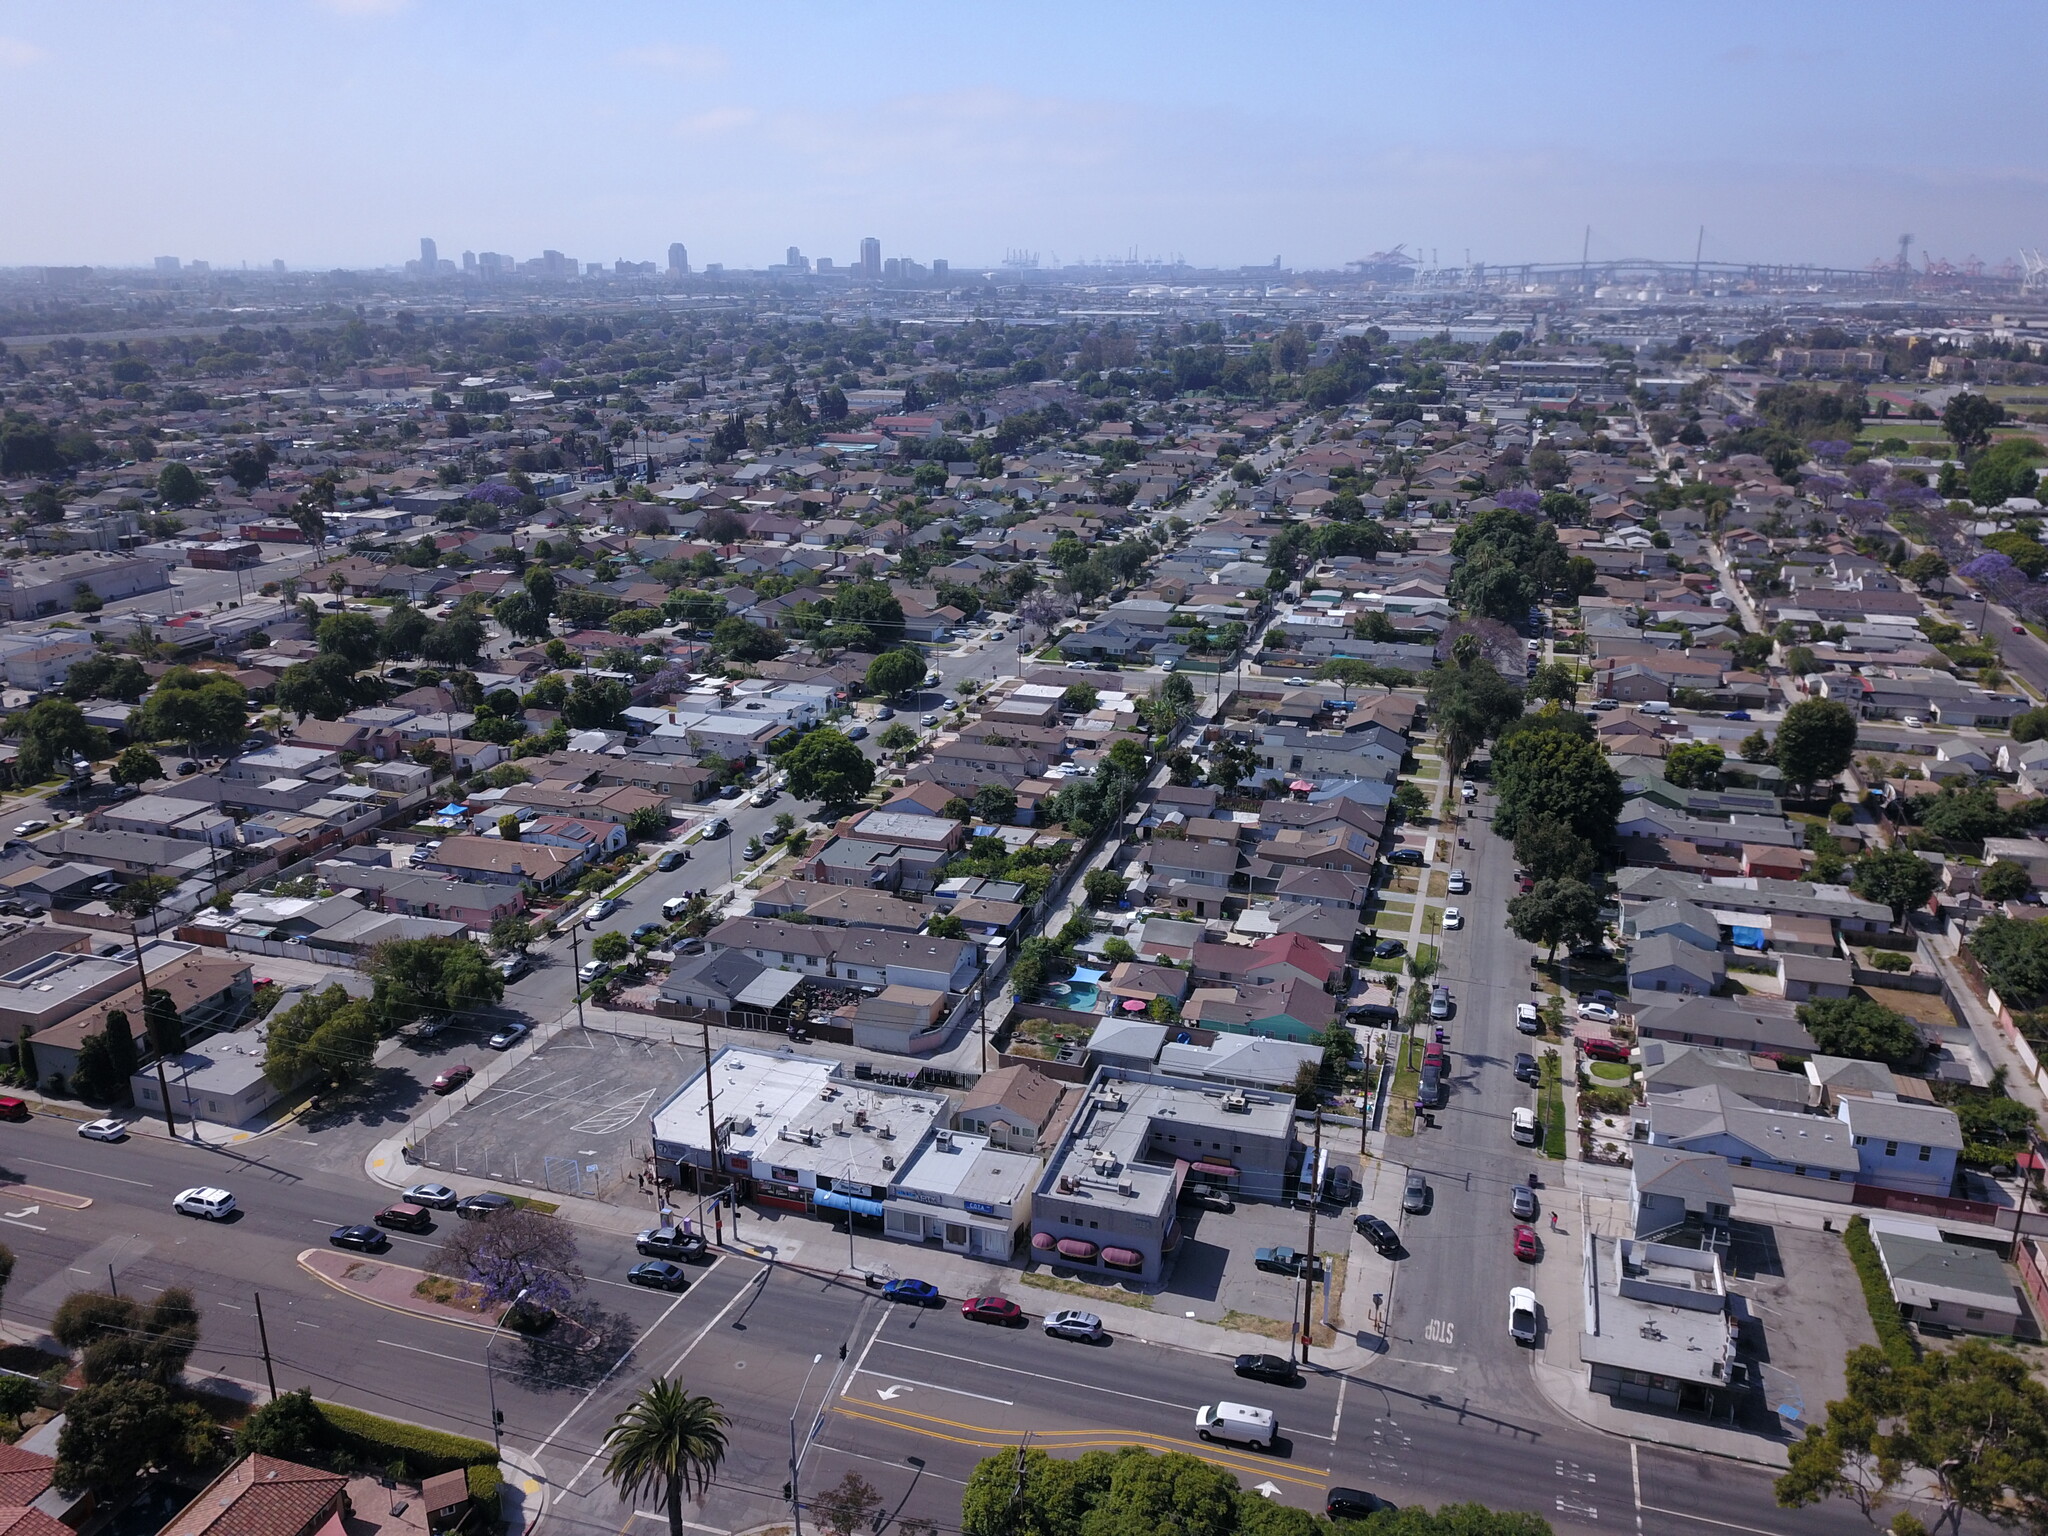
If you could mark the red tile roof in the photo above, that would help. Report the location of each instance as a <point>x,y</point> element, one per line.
<point>262,1496</point>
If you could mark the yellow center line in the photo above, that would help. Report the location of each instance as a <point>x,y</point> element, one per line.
<point>977,1435</point>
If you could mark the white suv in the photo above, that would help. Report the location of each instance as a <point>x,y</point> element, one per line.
<point>1527,1020</point>
<point>1071,1324</point>
<point>212,1204</point>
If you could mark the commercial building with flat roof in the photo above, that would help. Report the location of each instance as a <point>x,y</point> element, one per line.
<point>796,1133</point>
<point>1106,1202</point>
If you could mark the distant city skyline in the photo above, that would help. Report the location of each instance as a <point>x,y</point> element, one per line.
<point>332,132</point>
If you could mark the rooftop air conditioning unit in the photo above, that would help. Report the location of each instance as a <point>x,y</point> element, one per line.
<point>1127,1188</point>
<point>838,1127</point>
<point>943,1138</point>
<point>887,1161</point>
<point>1236,1102</point>
<point>885,1133</point>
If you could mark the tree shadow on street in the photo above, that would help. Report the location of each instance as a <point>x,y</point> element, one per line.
<point>575,1352</point>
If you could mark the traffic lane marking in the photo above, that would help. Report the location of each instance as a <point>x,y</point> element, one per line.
<point>624,1285</point>
<point>1201,1452</point>
<point>930,1386</point>
<point>1136,1397</point>
<point>91,1173</point>
<point>1726,1525</point>
<point>1205,1448</point>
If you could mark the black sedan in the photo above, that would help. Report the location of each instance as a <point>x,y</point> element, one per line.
<point>368,1239</point>
<point>1387,949</point>
<point>1385,1240</point>
<point>660,1274</point>
<point>1273,1368</point>
<point>1354,1504</point>
<point>477,1207</point>
<point>647,931</point>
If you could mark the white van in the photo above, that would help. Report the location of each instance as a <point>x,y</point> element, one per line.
<point>1523,1127</point>
<point>1654,707</point>
<point>1239,1422</point>
<point>674,908</point>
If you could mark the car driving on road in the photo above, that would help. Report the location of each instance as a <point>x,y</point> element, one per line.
<point>206,1203</point>
<point>104,1130</point>
<point>435,1197</point>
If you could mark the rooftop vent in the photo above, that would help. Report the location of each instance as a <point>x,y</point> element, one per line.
<point>888,1161</point>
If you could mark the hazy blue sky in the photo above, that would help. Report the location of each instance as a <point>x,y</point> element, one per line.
<point>336,132</point>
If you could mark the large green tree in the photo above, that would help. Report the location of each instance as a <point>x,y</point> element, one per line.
<point>1471,703</point>
<point>352,636</point>
<point>106,675</point>
<point>594,703</point>
<point>895,672</point>
<point>204,709</point>
<point>1898,877</point>
<point>826,766</point>
<point>1557,911</point>
<point>413,978</point>
<point>1863,1030</point>
<point>51,733</point>
<point>1548,765</point>
<point>2014,954</point>
<point>1968,1424</point>
<point>737,640</point>
<point>118,1430</point>
<point>668,1443</point>
<point>1816,740</point>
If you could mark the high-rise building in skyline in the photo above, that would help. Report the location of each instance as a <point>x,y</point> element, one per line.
<point>430,256</point>
<point>678,258</point>
<point>794,260</point>
<point>941,267</point>
<point>469,262</point>
<point>871,257</point>
<point>167,263</point>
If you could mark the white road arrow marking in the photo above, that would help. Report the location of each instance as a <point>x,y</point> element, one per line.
<point>17,1215</point>
<point>1267,1490</point>
<point>889,1393</point>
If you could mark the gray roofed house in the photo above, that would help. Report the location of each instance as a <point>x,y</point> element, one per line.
<point>1762,1025</point>
<point>1244,1061</point>
<point>1950,1285</point>
<point>1752,895</point>
<point>1794,1154</point>
<point>1323,888</point>
<point>1669,1188</point>
<point>738,989</point>
<point>1687,920</point>
<point>1665,962</point>
<point>1669,1067</point>
<point>1903,1143</point>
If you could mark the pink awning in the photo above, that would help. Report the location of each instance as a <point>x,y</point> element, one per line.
<point>1216,1170</point>
<point>1076,1248</point>
<point>1301,786</point>
<point>1123,1258</point>
<point>1043,1241</point>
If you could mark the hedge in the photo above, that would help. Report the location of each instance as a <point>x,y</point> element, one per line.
<point>1893,1336</point>
<point>425,1452</point>
<point>484,1483</point>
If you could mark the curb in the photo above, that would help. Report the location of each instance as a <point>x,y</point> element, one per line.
<point>531,1490</point>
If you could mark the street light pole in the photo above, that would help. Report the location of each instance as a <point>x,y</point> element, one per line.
<point>796,1518</point>
<point>490,1377</point>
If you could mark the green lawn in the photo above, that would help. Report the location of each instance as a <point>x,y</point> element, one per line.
<point>1612,1071</point>
<point>1550,1105</point>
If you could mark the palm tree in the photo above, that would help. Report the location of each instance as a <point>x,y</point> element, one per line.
<point>668,1440</point>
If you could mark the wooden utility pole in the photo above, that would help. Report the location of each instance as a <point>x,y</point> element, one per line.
<point>163,1082</point>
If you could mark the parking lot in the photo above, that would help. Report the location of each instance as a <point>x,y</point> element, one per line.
<point>571,1118</point>
<point>1215,1276</point>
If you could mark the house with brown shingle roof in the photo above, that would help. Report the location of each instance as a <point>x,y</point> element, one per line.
<point>1016,1108</point>
<point>266,1496</point>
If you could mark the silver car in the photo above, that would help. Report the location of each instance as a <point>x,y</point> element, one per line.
<point>1415,1194</point>
<point>1523,1199</point>
<point>1071,1324</point>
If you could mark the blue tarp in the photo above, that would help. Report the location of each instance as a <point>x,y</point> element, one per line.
<point>452,810</point>
<point>832,1200</point>
<point>1083,974</point>
<point>1748,938</point>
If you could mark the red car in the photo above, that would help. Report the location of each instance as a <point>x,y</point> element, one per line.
<point>991,1309</point>
<point>453,1079</point>
<point>1525,1245</point>
<point>1604,1050</point>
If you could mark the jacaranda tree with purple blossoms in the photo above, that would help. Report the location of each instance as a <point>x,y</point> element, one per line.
<point>513,1251</point>
<point>1995,575</point>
